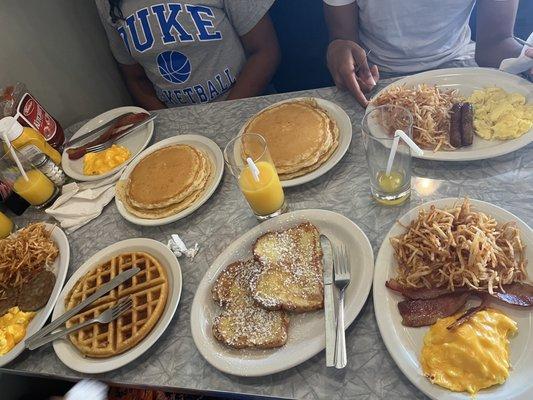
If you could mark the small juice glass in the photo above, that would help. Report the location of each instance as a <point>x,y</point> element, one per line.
<point>378,127</point>
<point>37,189</point>
<point>6,225</point>
<point>265,194</point>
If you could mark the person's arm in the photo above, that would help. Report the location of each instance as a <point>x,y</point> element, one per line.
<point>262,60</point>
<point>140,87</point>
<point>494,32</point>
<point>346,60</point>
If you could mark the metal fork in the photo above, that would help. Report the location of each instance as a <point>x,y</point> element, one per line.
<point>107,316</point>
<point>342,280</point>
<point>126,132</point>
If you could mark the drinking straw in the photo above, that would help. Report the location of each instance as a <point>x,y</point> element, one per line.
<point>399,134</point>
<point>253,169</point>
<point>14,155</point>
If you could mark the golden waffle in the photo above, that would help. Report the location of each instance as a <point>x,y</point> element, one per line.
<point>148,289</point>
<point>242,323</point>
<point>300,136</point>
<point>291,269</point>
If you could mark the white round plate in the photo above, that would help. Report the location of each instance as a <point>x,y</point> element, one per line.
<point>209,147</point>
<point>306,331</point>
<point>405,344</point>
<point>336,113</point>
<point>135,142</point>
<point>60,268</point>
<point>466,80</point>
<point>70,356</point>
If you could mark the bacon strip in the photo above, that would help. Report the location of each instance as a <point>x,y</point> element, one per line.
<point>113,131</point>
<point>518,294</point>
<point>423,312</point>
<point>422,293</point>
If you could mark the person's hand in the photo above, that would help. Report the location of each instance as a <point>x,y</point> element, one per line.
<point>529,53</point>
<point>348,66</point>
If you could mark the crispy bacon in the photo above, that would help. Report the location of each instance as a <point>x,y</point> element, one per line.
<point>114,130</point>
<point>518,294</point>
<point>423,312</point>
<point>421,293</point>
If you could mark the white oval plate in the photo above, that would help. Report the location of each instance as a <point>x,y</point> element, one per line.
<point>405,344</point>
<point>135,142</point>
<point>342,119</point>
<point>60,268</point>
<point>306,331</point>
<point>70,356</point>
<point>209,147</point>
<point>466,80</point>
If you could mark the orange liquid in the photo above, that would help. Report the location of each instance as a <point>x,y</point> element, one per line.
<point>37,190</point>
<point>6,226</point>
<point>266,195</point>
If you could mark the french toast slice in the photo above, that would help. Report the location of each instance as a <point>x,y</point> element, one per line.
<point>243,323</point>
<point>291,269</point>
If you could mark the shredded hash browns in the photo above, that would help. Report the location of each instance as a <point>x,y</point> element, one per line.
<point>430,107</point>
<point>459,247</point>
<point>24,254</point>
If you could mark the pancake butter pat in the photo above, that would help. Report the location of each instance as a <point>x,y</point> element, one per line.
<point>472,356</point>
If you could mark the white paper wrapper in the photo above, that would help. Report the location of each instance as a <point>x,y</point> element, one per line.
<point>178,247</point>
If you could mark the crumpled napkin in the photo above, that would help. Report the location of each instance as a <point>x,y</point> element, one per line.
<point>520,64</point>
<point>80,203</point>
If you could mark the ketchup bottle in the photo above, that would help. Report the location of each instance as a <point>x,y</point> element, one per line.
<point>17,102</point>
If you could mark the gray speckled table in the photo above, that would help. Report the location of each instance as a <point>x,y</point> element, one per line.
<point>174,362</point>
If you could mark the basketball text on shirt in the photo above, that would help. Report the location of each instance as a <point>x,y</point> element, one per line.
<point>174,66</point>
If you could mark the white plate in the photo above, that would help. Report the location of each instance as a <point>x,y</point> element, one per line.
<point>60,268</point>
<point>336,113</point>
<point>135,142</point>
<point>70,356</point>
<point>209,147</point>
<point>306,331</point>
<point>404,343</point>
<point>466,80</point>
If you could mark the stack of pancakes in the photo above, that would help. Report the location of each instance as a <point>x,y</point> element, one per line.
<point>165,182</point>
<point>300,136</point>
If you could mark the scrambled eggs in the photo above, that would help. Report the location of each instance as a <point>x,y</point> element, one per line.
<point>104,161</point>
<point>471,357</point>
<point>500,115</point>
<point>13,328</point>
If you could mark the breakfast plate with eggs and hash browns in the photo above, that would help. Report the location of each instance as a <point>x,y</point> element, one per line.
<point>169,180</point>
<point>306,137</point>
<point>33,267</point>
<point>258,309</point>
<point>155,292</point>
<point>453,300</point>
<point>99,165</point>
<point>463,114</point>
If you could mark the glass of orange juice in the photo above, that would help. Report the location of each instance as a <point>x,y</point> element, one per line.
<point>6,225</point>
<point>36,188</point>
<point>256,175</point>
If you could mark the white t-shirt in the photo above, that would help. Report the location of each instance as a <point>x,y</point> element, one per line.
<point>408,36</point>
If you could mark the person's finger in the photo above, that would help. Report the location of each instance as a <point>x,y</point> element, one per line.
<point>363,71</point>
<point>350,83</point>
<point>375,73</point>
<point>529,52</point>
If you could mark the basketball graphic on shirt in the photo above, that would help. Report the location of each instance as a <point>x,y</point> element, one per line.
<point>174,66</point>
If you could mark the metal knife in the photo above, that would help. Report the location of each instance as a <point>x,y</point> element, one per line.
<point>329,305</point>
<point>94,131</point>
<point>113,283</point>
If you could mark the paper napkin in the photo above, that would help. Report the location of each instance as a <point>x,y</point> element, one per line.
<point>80,203</point>
<point>520,64</point>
